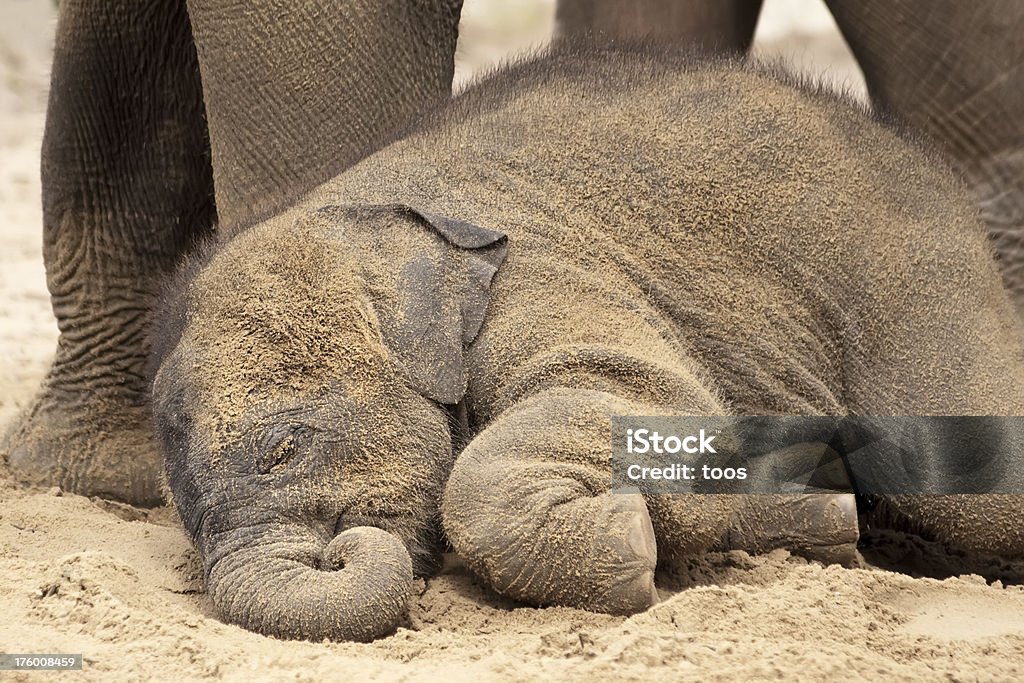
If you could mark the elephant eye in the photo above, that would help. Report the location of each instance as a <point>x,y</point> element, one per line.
<point>279,443</point>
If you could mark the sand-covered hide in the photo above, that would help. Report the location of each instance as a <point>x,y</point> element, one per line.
<point>121,586</point>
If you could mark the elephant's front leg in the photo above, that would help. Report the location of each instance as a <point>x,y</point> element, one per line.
<point>713,26</point>
<point>528,507</point>
<point>127,187</point>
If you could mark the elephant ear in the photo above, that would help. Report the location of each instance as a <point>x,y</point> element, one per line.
<point>439,296</point>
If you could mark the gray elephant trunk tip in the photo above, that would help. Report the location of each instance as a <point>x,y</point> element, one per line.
<point>359,591</point>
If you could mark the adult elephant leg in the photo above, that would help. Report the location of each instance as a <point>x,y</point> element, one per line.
<point>127,187</point>
<point>298,91</point>
<point>717,27</point>
<point>956,71</point>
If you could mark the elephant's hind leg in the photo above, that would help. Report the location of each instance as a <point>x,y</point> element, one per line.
<point>960,355</point>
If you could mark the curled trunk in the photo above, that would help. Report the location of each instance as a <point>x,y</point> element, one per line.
<point>290,585</point>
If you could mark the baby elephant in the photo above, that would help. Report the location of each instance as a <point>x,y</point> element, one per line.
<point>596,232</point>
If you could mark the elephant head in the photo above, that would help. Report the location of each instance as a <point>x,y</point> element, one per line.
<point>302,375</point>
<point>228,99</point>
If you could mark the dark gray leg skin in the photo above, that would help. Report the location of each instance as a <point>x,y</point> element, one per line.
<point>127,187</point>
<point>717,27</point>
<point>956,71</point>
<point>818,526</point>
<point>297,91</point>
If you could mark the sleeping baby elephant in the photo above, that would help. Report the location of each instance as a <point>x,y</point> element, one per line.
<point>588,234</point>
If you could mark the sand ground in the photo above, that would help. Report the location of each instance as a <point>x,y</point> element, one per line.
<point>122,586</point>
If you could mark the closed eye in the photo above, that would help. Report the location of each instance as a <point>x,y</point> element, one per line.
<point>277,444</point>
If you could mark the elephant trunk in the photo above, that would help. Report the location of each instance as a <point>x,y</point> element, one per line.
<point>290,585</point>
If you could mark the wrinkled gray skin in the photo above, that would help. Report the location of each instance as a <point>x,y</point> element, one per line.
<point>129,187</point>
<point>698,239</point>
<point>952,69</point>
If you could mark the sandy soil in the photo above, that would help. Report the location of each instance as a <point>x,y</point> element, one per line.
<point>122,586</point>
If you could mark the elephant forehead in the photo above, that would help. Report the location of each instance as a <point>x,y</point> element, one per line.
<point>278,314</point>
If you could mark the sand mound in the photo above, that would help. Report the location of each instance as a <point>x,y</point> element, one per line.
<point>122,586</point>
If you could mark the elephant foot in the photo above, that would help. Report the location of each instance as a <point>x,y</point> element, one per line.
<point>818,526</point>
<point>90,447</point>
<point>986,524</point>
<point>624,549</point>
<point>592,552</point>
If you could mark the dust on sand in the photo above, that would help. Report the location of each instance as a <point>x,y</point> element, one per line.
<point>123,586</point>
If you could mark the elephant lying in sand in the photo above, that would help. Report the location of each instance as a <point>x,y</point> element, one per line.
<point>129,189</point>
<point>592,233</point>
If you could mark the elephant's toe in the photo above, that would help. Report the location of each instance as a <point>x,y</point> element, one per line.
<point>632,553</point>
<point>819,526</point>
